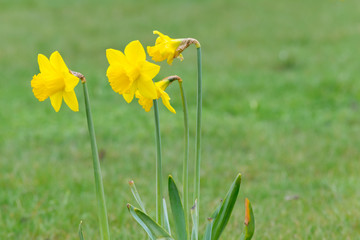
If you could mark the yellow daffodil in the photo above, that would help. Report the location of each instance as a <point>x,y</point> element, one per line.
<point>165,48</point>
<point>55,81</point>
<point>130,72</point>
<point>147,103</point>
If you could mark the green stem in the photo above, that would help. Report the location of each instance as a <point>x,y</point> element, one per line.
<point>198,137</point>
<point>186,157</point>
<point>103,219</point>
<point>159,209</point>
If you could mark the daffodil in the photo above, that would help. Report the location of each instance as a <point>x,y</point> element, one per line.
<point>55,82</point>
<point>130,72</point>
<point>147,103</point>
<point>165,48</point>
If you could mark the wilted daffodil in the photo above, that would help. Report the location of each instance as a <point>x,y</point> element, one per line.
<point>130,72</point>
<point>147,103</point>
<point>55,81</point>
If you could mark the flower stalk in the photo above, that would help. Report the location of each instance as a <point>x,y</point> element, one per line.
<point>101,205</point>
<point>159,194</point>
<point>198,135</point>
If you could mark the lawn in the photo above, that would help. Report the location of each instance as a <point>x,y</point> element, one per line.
<point>281,106</point>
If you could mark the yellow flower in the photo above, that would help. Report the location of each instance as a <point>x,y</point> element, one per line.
<point>55,81</point>
<point>165,48</point>
<point>130,72</point>
<point>147,103</point>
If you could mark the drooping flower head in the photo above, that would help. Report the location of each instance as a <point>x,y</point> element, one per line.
<point>55,81</point>
<point>130,72</point>
<point>147,103</point>
<point>165,48</point>
<point>169,48</point>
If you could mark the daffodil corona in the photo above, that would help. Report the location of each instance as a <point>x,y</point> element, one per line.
<point>56,82</point>
<point>147,103</point>
<point>130,72</point>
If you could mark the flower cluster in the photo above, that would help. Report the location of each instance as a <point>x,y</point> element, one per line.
<point>129,74</point>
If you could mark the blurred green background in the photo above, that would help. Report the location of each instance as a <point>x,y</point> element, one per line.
<point>281,106</point>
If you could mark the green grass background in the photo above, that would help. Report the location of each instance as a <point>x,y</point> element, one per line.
<point>281,106</point>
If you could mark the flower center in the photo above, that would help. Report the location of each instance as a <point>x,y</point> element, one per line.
<point>133,72</point>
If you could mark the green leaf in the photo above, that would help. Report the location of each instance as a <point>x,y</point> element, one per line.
<point>226,208</point>
<point>249,223</point>
<point>81,236</point>
<point>209,229</point>
<point>177,210</point>
<point>136,195</point>
<point>154,230</point>
<point>166,217</point>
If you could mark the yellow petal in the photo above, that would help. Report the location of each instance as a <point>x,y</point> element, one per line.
<point>170,59</point>
<point>56,100</point>
<point>45,65</point>
<point>135,52</point>
<point>115,56</point>
<point>129,95</point>
<point>58,63</point>
<point>70,82</point>
<point>162,37</point>
<point>149,70</point>
<point>147,88</point>
<point>71,100</point>
<point>166,101</point>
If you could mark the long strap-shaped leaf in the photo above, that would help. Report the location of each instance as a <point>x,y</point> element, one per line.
<point>225,211</point>
<point>154,230</point>
<point>136,195</point>
<point>249,223</point>
<point>177,210</point>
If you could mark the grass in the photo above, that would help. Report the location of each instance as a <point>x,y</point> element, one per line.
<point>281,106</point>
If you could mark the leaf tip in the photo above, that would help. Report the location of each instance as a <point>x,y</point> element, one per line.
<point>238,178</point>
<point>247,212</point>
